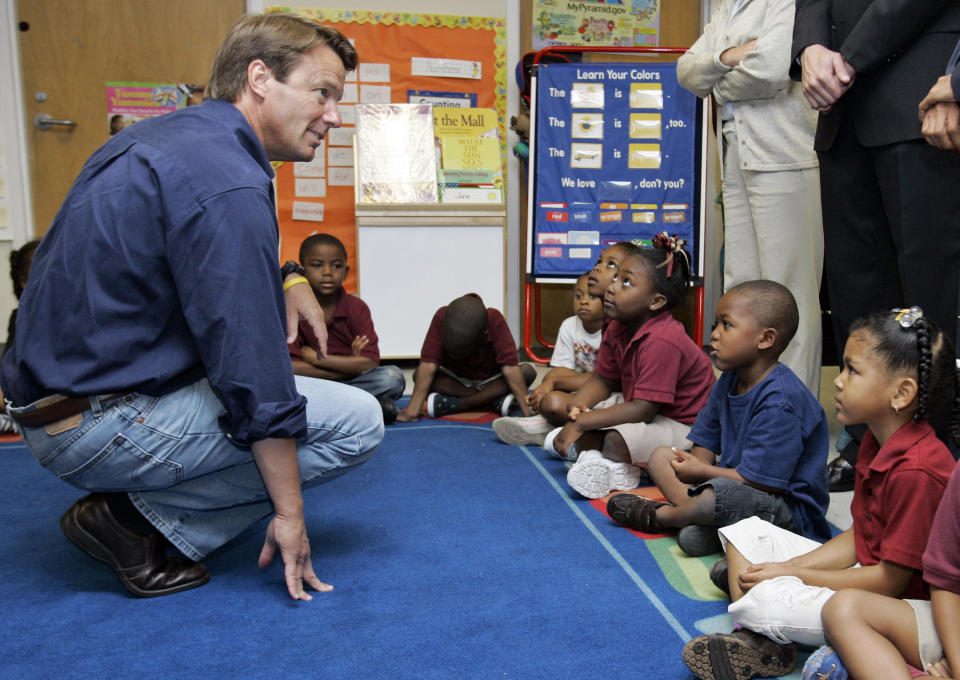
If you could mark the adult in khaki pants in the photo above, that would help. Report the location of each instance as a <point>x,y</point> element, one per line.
<point>771,184</point>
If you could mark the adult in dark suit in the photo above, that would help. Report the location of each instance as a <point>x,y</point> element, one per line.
<point>891,202</point>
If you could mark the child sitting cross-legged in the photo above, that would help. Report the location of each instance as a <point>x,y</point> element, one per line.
<point>573,358</point>
<point>468,361</point>
<point>896,367</point>
<point>353,353</point>
<point>877,636</point>
<point>662,376</point>
<point>759,445</point>
<point>551,397</point>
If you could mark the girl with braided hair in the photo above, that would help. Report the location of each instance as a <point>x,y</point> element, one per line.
<point>877,636</point>
<point>897,367</point>
<point>649,382</point>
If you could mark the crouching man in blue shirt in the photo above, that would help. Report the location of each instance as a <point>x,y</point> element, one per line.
<point>150,364</point>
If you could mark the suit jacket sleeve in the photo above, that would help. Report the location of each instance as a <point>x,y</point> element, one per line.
<point>811,26</point>
<point>887,27</point>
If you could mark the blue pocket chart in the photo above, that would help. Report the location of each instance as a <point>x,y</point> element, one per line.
<point>616,151</point>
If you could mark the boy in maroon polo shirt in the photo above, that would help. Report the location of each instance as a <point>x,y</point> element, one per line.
<point>468,361</point>
<point>353,353</point>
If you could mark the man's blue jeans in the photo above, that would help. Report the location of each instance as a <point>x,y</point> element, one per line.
<point>181,469</point>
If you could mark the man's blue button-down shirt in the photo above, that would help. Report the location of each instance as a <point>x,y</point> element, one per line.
<point>162,266</point>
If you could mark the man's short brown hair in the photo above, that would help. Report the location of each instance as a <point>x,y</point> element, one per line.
<point>279,40</point>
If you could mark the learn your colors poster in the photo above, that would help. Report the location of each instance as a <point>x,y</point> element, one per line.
<point>616,159</point>
<point>623,23</point>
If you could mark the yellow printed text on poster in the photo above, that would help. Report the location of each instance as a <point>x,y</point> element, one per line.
<point>464,122</point>
<point>470,153</point>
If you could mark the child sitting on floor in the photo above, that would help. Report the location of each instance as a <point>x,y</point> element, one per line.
<point>573,358</point>
<point>896,366</point>
<point>552,405</point>
<point>20,261</point>
<point>876,636</point>
<point>664,377</point>
<point>759,446</point>
<point>468,361</point>
<point>353,352</point>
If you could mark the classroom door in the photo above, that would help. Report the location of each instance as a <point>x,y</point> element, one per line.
<point>68,50</point>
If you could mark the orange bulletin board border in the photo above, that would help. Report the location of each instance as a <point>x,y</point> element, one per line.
<point>394,38</point>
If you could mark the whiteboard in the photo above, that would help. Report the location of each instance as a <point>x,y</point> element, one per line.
<point>406,273</point>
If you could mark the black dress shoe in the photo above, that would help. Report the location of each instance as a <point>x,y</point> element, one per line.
<point>389,408</point>
<point>840,474</point>
<point>719,575</point>
<point>140,562</point>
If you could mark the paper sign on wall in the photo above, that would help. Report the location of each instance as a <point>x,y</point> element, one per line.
<point>310,187</point>
<point>308,211</point>
<point>446,68</point>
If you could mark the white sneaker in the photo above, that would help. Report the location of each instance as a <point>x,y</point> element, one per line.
<point>570,455</point>
<point>593,476</point>
<point>624,476</point>
<point>520,431</point>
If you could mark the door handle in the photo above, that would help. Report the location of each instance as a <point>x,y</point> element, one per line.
<point>45,122</point>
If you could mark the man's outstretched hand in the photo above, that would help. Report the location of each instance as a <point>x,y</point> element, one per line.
<point>289,535</point>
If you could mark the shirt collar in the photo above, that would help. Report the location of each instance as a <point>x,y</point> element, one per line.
<point>650,327</point>
<point>883,458</point>
<point>340,311</point>
<point>231,117</point>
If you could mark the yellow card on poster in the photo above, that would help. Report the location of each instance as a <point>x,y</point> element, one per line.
<point>646,96</point>
<point>645,126</point>
<point>644,156</point>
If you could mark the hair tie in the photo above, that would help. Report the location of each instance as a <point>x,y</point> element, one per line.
<point>907,317</point>
<point>673,245</point>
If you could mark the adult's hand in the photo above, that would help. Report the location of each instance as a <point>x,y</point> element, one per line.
<point>733,56</point>
<point>826,76</point>
<point>289,536</point>
<point>942,91</point>
<point>276,460</point>
<point>302,304</point>
<point>941,126</point>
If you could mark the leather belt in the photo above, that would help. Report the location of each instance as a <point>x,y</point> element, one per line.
<point>57,407</point>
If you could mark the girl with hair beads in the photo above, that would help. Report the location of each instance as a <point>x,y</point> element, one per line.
<point>650,379</point>
<point>549,400</point>
<point>896,367</point>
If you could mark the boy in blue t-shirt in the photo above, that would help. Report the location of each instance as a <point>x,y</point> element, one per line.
<point>760,444</point>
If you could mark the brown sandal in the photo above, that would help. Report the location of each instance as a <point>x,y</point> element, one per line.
<point>636,512</point>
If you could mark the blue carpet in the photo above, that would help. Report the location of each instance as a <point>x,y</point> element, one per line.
<point>453,556</point>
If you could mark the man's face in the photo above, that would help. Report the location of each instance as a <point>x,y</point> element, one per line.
<point>296,114</point>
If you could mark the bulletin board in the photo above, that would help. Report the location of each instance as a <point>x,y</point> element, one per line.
<point>320,195</point>
<point>617,157</point>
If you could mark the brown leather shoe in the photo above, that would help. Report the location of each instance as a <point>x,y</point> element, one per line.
<point>140,562</point>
